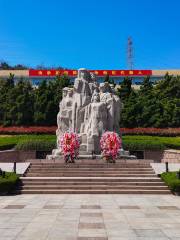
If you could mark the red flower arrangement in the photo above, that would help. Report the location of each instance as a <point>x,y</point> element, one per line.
<point>110,145</point>
<point>70,144</point>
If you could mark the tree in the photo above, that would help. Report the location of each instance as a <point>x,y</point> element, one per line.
<point>6,86</point>
<point>125,90</point>
<point>5,66</point>
<point>47,98</point>
<point>146,87</point>
<point>24,103</point>
<point>130,111</point>
<point>19,105</point>
<point>146,99</point>
<point>40,103</point>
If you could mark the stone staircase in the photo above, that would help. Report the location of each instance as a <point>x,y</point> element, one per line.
<point>96,178</point>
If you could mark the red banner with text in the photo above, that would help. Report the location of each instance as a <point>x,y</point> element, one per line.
<point>99,73</point>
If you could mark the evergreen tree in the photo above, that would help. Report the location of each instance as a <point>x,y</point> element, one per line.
<point>6,86</point>
<point>147,86</point>
<point>24,103</point>
<point>130,111</point>
<point>40,104</point>
<point>47,98</point>
<point>19,105</point>
<point>125,90</point>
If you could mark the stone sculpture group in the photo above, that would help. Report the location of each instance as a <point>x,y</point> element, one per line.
<point>89,109</point>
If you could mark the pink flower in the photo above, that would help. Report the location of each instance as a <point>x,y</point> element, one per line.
<point>70,144</point>
<point>110,144</point>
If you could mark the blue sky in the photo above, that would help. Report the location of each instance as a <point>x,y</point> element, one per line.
<point>91,34</point>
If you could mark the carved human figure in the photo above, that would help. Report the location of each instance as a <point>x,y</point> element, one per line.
<point>106,96</point>
<point>81,98</point>
<point>117,112</point>
<point>93,83</point>
<point>96,125</point>
<point>64,117</point>
<point>95,96</point>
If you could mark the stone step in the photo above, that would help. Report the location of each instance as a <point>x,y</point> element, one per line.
<point>110,165</point>
<point>56,165</point>
<point>64,174</point>
<point>111,191</point>
<point>93,187</point>
<point>67,183</point>
<point>90,179</point>
<point>79,172</point>
<point>92,168</point>
<point>88,169</point>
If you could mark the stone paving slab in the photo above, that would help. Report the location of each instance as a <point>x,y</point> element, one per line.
<point>89,217</point>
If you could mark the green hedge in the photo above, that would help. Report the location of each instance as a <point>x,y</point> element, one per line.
<point>47,142</point>
<point>38,145</point>
<point>8,182</point>
<point>171,180</point>
<point>10,141</point>
<point>150,142</point>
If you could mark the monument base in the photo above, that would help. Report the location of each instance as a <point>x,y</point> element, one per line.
<point>86,156</point>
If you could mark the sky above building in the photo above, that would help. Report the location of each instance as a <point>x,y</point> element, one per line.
<point>91,34</point>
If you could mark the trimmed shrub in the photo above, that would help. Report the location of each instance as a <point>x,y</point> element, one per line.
<point>150,142</point>
<point>48,142</point>
<point>171,180</point>
<point>37,145</point>
<point>8,182</point>
<point>133,146</point>
<point>8,142</point>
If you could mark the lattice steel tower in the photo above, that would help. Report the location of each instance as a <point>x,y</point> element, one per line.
<point>130,54</point>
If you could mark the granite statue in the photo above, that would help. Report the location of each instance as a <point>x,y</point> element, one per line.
<point>88,109</point>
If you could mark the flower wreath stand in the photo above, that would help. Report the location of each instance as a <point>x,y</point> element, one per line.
<point>69,144</point>
<point>110,144</point>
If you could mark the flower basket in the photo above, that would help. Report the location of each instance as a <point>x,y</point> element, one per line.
<point>69,144</point>
<point>110,144</point>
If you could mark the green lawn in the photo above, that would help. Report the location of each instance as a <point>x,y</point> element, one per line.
<point>129,142</point>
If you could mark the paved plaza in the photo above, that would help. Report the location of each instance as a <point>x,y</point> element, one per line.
<point>89,217</point>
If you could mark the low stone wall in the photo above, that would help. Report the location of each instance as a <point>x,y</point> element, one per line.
<point>171,156</point>
<point>155,155</point>
<point>16,156</point>
<point>148,154</point>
